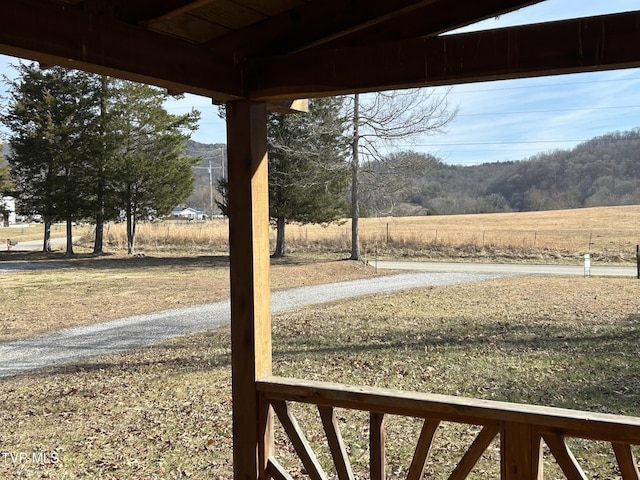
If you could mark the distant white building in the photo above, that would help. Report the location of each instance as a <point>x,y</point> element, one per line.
<point>188,213</point>
<point>7,211</point>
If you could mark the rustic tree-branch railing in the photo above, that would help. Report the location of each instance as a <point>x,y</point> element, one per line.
<point>521,429</point>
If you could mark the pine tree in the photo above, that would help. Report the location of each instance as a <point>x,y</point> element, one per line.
<point>150,172</point>
<point>307,170</point>
<point>5,186</point>
<point>51,113</point>
<point>5,178</point>
<point>88,146</point>
<point>104,205</point>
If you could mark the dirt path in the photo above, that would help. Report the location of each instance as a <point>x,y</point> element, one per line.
<point>76,344</point>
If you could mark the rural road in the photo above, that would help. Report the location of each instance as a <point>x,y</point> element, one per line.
<point>31,245</point>
<point>508,268</point>
<point>76,344</point>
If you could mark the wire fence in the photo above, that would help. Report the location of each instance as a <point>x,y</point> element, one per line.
<point>611,234</point>
<point>609,240</point>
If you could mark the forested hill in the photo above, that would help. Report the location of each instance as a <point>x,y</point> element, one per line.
<point>603,171</point>
<point>600,172</point>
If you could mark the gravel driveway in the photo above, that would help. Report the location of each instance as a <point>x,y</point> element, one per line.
<point>76,344</point>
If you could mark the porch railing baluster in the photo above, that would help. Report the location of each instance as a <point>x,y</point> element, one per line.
<point>564,457</point>
<point>626,461</point>
<point>475,451</point>
<point>421,455</point>
<point>377,462</point>
<point>336,444</point>
<point>522,429</point>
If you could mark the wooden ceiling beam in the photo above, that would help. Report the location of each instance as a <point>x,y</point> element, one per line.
<point>168,15</point>
<point>588,44</point>
<point>328,22</point>
<point>137,12</point>
<point>312,24</point>
<point>68,36</point>
<point>430,20</point>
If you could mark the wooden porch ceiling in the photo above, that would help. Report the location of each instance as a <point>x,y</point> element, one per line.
<point>285,49</point>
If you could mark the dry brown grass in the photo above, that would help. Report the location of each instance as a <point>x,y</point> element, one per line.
<point>610,234</point>
<point>165,412</point>
<point>24,233</point>
<point>170,235</point>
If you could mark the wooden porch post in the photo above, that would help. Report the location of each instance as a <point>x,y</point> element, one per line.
<point>250,297</point>
<point>521,451</point>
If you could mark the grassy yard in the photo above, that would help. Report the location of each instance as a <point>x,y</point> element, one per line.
<point>165,411</point>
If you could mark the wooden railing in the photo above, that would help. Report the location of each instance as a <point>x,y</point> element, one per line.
<point>522,429</point>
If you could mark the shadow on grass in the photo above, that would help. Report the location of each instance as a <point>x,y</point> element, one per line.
<point>498,336</point>
<point>594,369</point>
<point>114,262</point>
<point>111,262</point>
<point>584,369</point>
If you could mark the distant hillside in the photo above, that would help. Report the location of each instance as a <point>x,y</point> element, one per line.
<point>604,171</point>
<point>214,155</point>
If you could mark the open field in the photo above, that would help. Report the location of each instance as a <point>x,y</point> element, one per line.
<point>610,234</point>
<point>165,412</point>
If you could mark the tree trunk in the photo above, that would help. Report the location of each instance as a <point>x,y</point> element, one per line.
<point>131,223</point>
<point>69,235</point>
<point>355,167</point>
<point>131,230</point>
<point>280,244</point>
<point>99,239</point>
<point>46,244</point>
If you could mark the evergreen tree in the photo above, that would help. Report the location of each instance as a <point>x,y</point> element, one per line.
<point>51,114</point>
<point>150,172</point>
<point>307,170</point>
<point>5,186</point>
<point>5,179</point>
<point>88,146</point>
<point>104,201</point>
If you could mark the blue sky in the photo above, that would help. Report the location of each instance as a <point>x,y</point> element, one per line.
<point>515,119</point>
<point>505,120</point>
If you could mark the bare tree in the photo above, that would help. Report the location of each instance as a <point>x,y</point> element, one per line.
<point>379,121</point>
<point>403,175</point>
